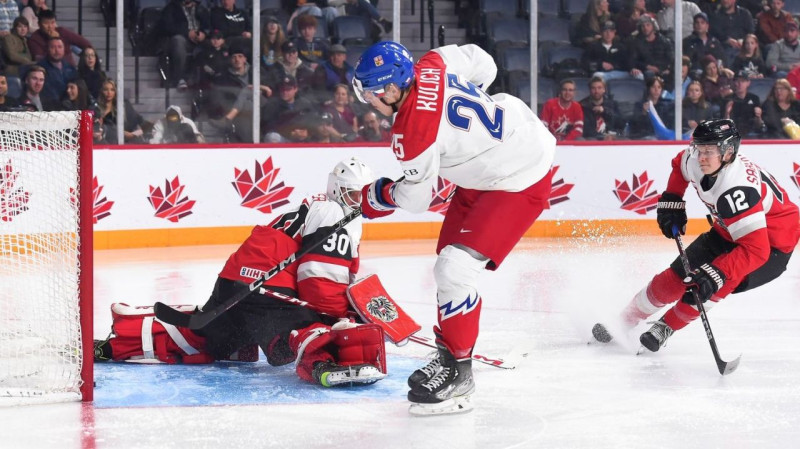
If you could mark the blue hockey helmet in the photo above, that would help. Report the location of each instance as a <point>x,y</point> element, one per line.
<point>380,65</point>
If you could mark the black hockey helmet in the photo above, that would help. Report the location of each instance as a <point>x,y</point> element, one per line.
<point>719,132</point>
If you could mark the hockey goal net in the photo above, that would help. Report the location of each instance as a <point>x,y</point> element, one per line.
<point>45,257</point>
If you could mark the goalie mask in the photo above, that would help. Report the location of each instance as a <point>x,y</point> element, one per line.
<point>346,181</point>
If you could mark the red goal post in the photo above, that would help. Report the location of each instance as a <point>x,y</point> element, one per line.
<point>46,217</point>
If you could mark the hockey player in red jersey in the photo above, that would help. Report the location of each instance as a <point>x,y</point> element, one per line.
<point>754,232</point>
<point>328,348</point>
<point>499,155</point>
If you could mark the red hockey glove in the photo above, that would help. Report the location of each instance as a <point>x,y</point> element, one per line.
<point>376,201</point>
<point>707,280</point>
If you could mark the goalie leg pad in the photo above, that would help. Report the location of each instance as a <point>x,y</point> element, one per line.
<point>456,273</point>
<point>310,346</point>
<point>374,305</point>
<point>357,345</point>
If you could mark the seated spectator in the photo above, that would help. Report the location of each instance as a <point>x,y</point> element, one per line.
<point>174,127</point>
<point>322,130</point>
<point>212,59</point>
<point>6,103</point>
<point>335,71</point>
<point>281,112</point>
<point>32,11</point>
<point>730,24</point>
<point>717,83</point>
<point>562,115</point>
<point>345,121</point>
<point>48,28</point>
<point>686,77</point>
<point>272,39</point>
<point>184,25</point>
<point>365,9</point>
<point>295,67</point>
<point>608,57</point>
<point>316,8</point>
<point>695,108</point>
<point>744,108</point>
<point>780,107</point>
<point>700,44</point>
<point>627,20</point>
<point>31,97</point>
<point>235,24</point>
<point>794,80</point>
<point>641,125</point>
<point>89,69</point>
<point>651,53</point>
<point>15,47</point>
<point>107,113</point>
<point>771,22</point>
<point>749,59</point>
<point>76,97</point>
<point>311,49</point>
<point>372,131</point>
<point>666,18</point>
<point>299,129</point>
<point>784,55</point>
<point>59,72</point>
<point>9,10</point>
<point>592,23</point>
<point>601,116</point>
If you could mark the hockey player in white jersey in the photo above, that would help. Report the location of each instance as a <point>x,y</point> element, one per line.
<point>494,149</point>
<point>755,230</point>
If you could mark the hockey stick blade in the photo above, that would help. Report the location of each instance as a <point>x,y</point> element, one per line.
<point>509,362</point>
<point>171,316</point>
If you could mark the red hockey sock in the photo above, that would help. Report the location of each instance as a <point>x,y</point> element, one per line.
<point>665,288</point>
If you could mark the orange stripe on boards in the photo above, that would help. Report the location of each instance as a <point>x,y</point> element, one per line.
<point>144,238</point>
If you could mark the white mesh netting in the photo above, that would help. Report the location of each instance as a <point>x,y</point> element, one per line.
<point>40,333</point>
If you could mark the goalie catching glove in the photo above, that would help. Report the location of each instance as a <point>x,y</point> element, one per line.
<point>707,280</point>
<point>376,199</point>
<point>671,213</point>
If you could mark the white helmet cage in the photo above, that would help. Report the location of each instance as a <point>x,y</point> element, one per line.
<point>346,181</point>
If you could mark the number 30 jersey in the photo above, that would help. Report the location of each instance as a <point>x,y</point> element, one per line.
<point>321,276</point>
<point>449,126</point>
<point>748,206</point>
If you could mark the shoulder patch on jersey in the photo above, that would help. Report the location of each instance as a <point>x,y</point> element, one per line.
<point>737,200</point>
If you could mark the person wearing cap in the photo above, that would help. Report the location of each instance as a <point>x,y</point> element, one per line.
<point>283,109</point>
<point>744,107</point>
<point>589,29</point>
<point>292,65</point>
<point>334,71</point>
<point>700,43</point>
<point>666,18</point>
<point>770,23</point>
<point>212,59</point>
<point>651,53</point>
<point>184,25</point>
<point>312,50</point>
<point>784,55</point>
<point>608,57</point>
<point>174,127</point>
<point>730,23</point>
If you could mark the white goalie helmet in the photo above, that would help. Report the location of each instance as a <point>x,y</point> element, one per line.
<point>346,181</point>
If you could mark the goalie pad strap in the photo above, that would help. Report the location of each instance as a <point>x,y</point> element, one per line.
<point>147,337</point>
<point>178,338</point>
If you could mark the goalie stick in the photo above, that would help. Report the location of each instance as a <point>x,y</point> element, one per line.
<point>723,366</point>
<point>201,318</point>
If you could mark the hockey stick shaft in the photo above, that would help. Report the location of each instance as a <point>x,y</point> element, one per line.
<point>201,319</point>
<point>723,366</point>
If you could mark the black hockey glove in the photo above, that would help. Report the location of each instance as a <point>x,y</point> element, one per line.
<point>671,212</point>
<point>706,280</point>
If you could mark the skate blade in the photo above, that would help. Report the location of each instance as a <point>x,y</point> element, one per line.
<point>453,406</point>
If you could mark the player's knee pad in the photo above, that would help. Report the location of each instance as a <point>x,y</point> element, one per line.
<point>359,344</point>
<point>456,273</point>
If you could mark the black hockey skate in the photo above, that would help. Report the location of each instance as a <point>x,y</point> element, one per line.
<point>424,374</point>
<point>447,391</point>
<point>330,374</point>
<point>655,338</point>
<point>102,350</point>
<point>601,333</point>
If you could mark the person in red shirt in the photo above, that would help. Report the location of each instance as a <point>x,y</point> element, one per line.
<point>562,115</point>
<point>329,349</point>
<point>754,232</point>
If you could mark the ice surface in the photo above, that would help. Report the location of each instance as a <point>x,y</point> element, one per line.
<point>543,300</point>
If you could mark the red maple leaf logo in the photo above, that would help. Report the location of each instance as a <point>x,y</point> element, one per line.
<point>796,176</point>
<point>13,198</point>
<point>169,204</point>
<point>636,198</point>
<point>442,194</point>
<point>258,192</point>
<point>102,207</point>
<point>558,189</point>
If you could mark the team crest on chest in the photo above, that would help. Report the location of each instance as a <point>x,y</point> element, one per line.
<point>378,60</point>
<point>382,308</point>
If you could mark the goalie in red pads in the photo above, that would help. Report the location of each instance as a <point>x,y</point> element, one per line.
<point>283,331</point>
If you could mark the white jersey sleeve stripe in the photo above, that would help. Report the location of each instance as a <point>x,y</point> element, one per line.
<point>747,225</point>
<point>315,269</point>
